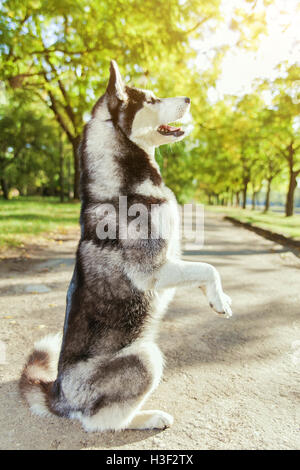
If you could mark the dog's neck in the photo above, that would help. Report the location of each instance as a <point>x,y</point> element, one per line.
<point>149,150</point>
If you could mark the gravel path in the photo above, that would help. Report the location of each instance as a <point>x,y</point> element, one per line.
<point>230,384</point>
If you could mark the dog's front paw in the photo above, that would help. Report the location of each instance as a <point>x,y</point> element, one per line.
<point>221,304</point>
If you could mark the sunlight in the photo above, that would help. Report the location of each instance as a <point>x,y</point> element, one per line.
<point>239,67</point>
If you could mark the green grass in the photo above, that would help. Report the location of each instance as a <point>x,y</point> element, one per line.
<point>24,219</point>
<point>274,221</point>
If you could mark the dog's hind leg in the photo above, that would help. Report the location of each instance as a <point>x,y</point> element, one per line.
<point>116,418</point>
<point>123,385</point>
<point>151,419</point>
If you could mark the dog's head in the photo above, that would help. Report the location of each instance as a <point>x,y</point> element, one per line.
<point>142,116</point>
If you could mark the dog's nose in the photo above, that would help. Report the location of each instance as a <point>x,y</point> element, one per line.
<point>187,100</point>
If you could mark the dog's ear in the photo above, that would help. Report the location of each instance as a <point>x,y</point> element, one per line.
<point>116,86</point>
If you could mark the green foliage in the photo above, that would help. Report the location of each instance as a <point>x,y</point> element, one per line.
<point>54,65</point>
<point>27,161</point>
<point>176,163</point>
<point>243,142</point>
<point>59,51</point>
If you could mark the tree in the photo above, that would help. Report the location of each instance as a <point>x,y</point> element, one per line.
<point>60,50</point>
<point>229,144</point>
<point>283,125</point>
<point>273,166</point>
<point>25,153</point>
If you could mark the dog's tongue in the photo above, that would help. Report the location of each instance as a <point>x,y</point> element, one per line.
<point>169,128</point>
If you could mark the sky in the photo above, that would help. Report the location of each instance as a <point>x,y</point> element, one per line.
<point>240,68</point>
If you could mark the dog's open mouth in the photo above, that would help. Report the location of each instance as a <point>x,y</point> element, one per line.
<point>165,129</point>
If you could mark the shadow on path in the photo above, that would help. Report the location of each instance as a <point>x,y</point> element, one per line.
<point>54,432</point>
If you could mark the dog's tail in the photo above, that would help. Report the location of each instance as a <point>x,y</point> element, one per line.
<point>39,373</point>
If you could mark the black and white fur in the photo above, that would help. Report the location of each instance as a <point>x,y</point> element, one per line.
<point>107,363</point>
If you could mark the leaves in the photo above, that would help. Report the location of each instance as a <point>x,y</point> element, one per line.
<point>54,63</point>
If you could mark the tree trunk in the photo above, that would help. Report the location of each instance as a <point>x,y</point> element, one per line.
<point>267,200</point>
<point>4,188</point>
<point>61,171</point>
<point>75,145</point>
<point>237,200</point>
<point>69,177</point>
<point>289,205</point>
<point>245,194</point>
<point>253,200</point>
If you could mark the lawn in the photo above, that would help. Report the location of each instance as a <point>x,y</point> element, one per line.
<point>274,221</point>
<point>23,220</point>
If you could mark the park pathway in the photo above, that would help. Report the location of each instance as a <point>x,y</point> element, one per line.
<point>230,384</point>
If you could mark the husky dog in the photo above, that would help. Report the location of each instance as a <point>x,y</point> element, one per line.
<point>107,363</point>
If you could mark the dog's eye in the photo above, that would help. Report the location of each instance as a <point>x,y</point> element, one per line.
<point>152,101</point>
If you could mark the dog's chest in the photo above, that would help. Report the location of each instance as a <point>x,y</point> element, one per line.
<point>165,220</point>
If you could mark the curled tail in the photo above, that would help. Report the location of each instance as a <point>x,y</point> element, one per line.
<point>39,373</point>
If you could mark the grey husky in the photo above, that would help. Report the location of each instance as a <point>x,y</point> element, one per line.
<point>106,363</point>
